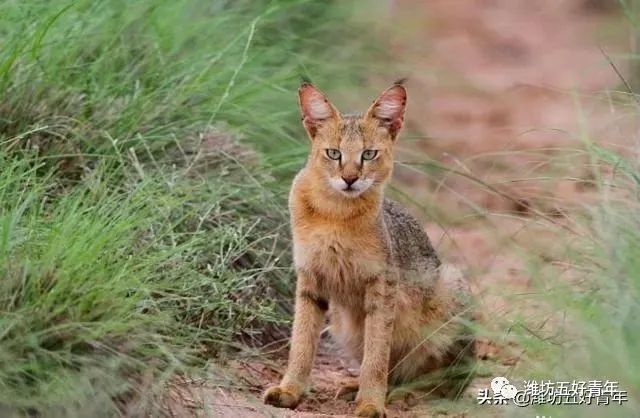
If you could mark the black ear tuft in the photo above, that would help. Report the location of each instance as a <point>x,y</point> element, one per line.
<point>304,80</point>
<point>401,81</point>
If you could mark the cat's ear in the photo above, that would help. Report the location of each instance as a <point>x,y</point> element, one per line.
<point>316,109</point>
<point>388,109</point>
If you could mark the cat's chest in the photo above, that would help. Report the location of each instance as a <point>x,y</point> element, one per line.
<point>325,246</point>
<point>340,258</point>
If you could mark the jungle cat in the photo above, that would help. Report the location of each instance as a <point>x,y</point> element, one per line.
<point>366,261</point>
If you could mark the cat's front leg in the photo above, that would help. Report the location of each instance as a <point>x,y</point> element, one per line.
<point>378,328</point>
<point>307,324</point>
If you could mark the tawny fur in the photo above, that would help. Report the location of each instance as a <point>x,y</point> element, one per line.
<point>392,305</point>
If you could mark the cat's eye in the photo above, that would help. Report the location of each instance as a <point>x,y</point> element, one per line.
<point>369,154</point>
<point>334,154</point>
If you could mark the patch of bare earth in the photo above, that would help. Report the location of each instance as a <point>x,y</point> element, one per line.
<point>499,90</point>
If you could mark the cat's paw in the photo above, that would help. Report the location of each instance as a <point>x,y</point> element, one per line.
<point>369,410</point>
<point>281,397</point>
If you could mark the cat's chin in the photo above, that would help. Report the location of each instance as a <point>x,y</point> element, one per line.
<point>351,193</point>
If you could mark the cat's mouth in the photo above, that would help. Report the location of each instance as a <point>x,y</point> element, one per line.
<point>351,191</point>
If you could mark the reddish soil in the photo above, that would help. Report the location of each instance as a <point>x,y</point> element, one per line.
<point>496,91</point>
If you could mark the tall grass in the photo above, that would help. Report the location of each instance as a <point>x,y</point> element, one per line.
<point>93,76</point>
<point>598,311</point>
<point>137,236</point>
<point>104,282</point>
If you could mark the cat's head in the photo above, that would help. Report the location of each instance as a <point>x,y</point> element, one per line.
<point>352,154</point>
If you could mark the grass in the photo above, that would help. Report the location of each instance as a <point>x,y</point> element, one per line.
<point>596,308</point>
<point>599,309</point>
<point>138,236</point>
<point>104,279</point>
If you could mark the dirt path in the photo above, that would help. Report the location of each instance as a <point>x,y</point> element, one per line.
<point>491,93</point>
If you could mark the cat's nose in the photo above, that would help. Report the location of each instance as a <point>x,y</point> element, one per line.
<point>350,180</point>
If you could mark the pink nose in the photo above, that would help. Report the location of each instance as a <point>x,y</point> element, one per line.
<point>350,179</point>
